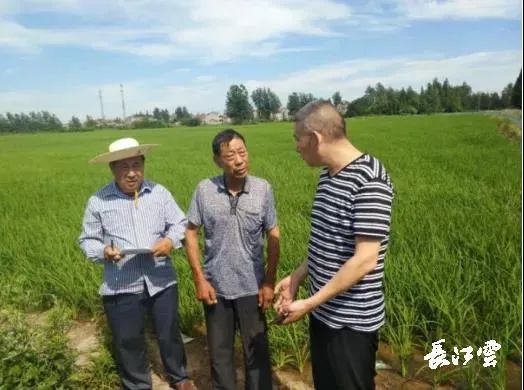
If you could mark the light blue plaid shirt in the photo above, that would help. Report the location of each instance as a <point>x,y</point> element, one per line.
<point>112,215</point>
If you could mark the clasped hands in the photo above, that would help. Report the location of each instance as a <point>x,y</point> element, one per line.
<point>289,309</point>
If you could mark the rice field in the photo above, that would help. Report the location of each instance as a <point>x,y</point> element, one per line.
<point>453,270</point>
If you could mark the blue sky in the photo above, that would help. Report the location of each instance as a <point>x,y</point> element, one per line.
<point>56,54</point>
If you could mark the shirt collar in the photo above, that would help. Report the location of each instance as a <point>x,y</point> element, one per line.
<point>222,185</point>
<point>146,186</point>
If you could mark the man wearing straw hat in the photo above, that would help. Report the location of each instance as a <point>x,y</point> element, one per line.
<point>131,226</point>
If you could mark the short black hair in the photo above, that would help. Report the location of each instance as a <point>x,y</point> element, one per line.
<point>225,137</point>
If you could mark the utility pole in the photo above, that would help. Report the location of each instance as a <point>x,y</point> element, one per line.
<point>123,103</point>
<point>101,104</point>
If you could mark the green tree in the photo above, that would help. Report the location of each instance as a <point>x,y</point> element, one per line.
<point>4,125</point>
<point>293,104</point>
<point>238,107</point>
<point>164,114</point>
<point>90,123</point>
<point>35,121</point>
<point>191,121</point>
<point>392,102</point>
<point>156,114</point>
<point>411,103</point>
<point>359,106</point>
<point>506,96</point>
<point>516,96</point>
<point>178,113</point>
<point>305,98</point>
<point>266,102</point>
<point>496,102</point>
<point>298,100</point>
<point>434,96</point>
<point>161,115</point>
<point>336,98</point>
<point>74,124</point>
<point>181,113</point>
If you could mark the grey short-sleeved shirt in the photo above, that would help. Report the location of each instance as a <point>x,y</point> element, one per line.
<point>234,242</point>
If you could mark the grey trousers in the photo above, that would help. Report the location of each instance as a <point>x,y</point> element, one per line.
<point>222,320</point>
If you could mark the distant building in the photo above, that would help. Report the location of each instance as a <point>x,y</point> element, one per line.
<point>213,118</point>
<point>136,118</point>
<point>101,123</point>
<point>282,114</point>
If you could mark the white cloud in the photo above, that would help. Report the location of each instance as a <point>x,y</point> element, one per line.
<point>204,78</point>
<point>483,71</point>
<point>222,30</point>
<point>460,9</point>
<point>216,30</point>
<point>352,77</point>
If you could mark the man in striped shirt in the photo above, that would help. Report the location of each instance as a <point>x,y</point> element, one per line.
<point>130,226</point>
<point>350,223</point>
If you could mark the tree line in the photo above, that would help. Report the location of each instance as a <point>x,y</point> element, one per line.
<point>28,123</point>
<point>44,121</point>
<point>435,97</point>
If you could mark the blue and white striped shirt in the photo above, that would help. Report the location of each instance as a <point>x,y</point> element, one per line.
<point>112,215</point>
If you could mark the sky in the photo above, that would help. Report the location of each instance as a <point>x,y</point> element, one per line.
<point>56,55</point>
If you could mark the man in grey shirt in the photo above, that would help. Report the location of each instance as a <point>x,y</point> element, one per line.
<point>236,211</point>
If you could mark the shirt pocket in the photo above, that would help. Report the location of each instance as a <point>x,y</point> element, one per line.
<point>251,230</point>
<point>116,221</point>
<point>251,222</point>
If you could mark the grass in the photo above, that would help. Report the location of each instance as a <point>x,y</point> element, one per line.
<point>452,271</point>
<point>35,356</point>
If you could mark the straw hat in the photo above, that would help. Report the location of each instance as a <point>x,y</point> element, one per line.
<point>121,149</point>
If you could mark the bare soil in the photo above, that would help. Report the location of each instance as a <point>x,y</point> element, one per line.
<point>84,339</point>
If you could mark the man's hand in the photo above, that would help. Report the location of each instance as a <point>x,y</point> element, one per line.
<point>162,247</point>
<point>265,295</point>
<point>112,254</point>
<point>286,290</point>
<point>205,292</point>
<point>295,311</point>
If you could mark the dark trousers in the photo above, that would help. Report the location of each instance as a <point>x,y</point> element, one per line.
<point>126,316</point>
<point>222,319</point>
<point>342,359</point>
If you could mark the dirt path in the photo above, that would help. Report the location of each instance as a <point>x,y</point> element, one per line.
<point>84,340</point>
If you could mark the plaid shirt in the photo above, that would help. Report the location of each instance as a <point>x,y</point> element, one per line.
<point>112,215</point>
